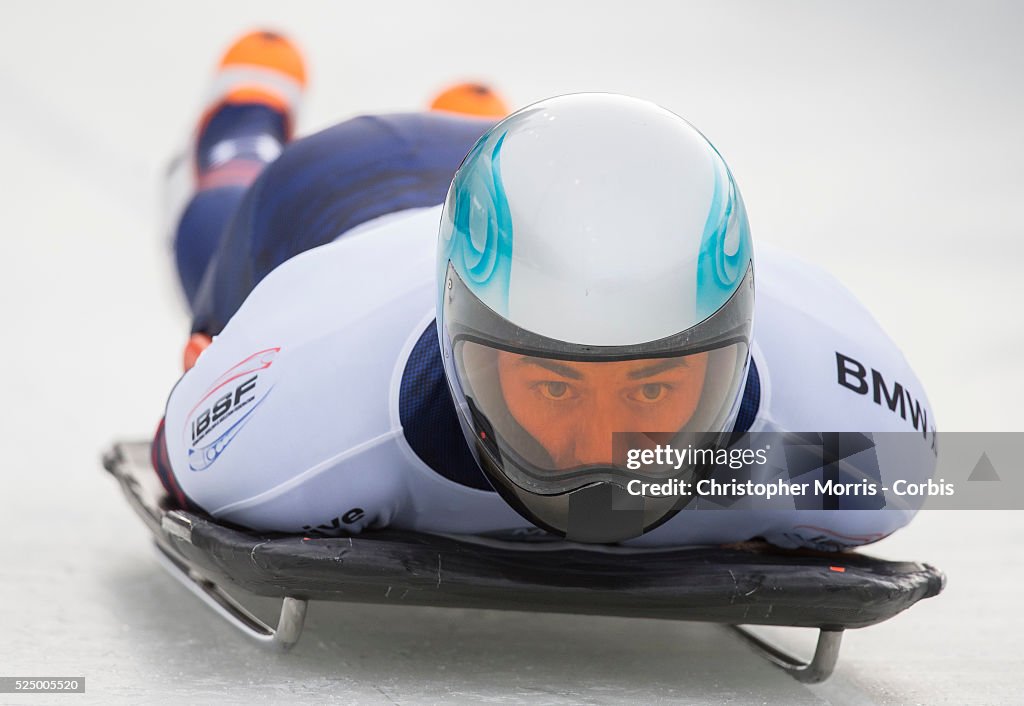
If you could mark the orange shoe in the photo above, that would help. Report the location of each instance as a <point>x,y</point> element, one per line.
<point>471,99</point>
<point>260,67</point>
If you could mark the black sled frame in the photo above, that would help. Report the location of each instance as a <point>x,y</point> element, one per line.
<point>753,585</point>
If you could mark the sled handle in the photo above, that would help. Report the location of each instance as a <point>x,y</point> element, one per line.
<point>289,624</point>
<point>826,653</point>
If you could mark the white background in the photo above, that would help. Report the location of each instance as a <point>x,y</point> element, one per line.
<point>881,140</point>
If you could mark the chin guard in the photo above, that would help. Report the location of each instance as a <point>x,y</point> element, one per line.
<point>604,512</point>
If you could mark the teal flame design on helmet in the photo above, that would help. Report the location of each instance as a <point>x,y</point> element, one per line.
<point>477,234</point>
<point>725,249</point>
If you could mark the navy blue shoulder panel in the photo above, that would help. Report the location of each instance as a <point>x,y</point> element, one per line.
<point>428,417</point>
<point>751,401</point>
<point>326,184</point>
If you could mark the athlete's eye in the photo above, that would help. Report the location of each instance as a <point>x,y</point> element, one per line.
<point>651,392</point>
<point>554,390</point>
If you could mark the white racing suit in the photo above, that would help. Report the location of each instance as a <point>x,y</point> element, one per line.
<point>322,406</point>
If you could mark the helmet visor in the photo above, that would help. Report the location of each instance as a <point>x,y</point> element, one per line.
<point>552,417</point>
<point>553,424</point>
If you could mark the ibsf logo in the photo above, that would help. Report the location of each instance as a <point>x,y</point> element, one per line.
<point>226,407</point>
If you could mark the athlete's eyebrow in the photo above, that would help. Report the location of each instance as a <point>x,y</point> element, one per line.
<point>659,367</point>
<point>553,366</point>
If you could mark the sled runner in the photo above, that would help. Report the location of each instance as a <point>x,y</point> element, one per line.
<point>755,585</point>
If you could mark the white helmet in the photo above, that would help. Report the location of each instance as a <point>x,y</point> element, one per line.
<point>595,295</point>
